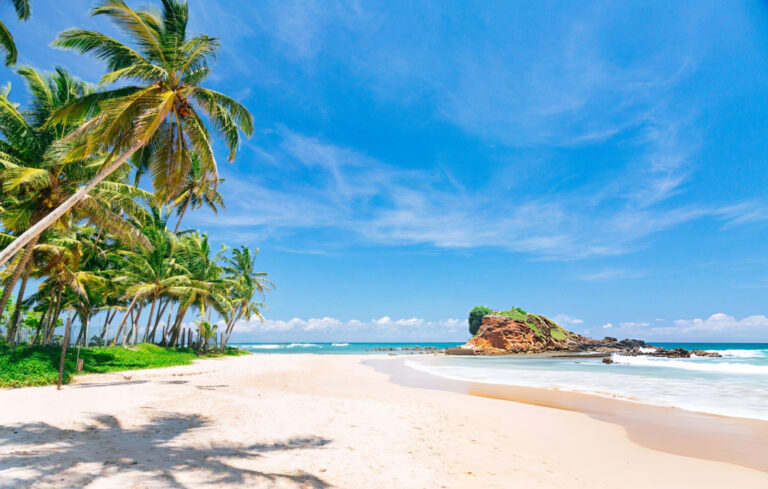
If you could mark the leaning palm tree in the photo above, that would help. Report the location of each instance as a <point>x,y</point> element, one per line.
<point>6,39</point>
<point>163,111</point>
<point>32,184</point>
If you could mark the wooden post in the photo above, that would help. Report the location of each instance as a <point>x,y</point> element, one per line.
<point>64,342</point>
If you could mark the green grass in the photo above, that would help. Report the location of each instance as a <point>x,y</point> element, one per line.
<point>39,365</point>
<point>517,314</point>
<point>558,333</point>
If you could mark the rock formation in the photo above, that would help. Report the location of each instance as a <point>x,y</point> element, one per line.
<point>532,333</point>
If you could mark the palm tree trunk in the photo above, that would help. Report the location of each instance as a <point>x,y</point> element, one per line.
<point>87,330</point>
<point>103,334</point>
<point>134,336</point>
<point>167,328</point>
<point>28,251</point>
<point>151,317</point>
<point>230,328</point>
<point>39,328</point>
<point>160,312</point>
<point>130,337</point>
<point>177,324</point>
<point>80,333</point>
<point>64,343</point>
<point>46,222</point>
<point>55,317</point>
<point>14,324</point>
<point>42,326</point>
<point>181,216</point>
<point>125,318</point>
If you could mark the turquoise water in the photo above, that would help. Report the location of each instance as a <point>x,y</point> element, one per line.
<point>339,348</point>
<point>734,385</point>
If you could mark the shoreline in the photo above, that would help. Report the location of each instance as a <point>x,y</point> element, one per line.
<point>669,429</point>
<point>318,421</point>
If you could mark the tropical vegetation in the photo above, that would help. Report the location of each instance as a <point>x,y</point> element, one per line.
<point>23,11</point>
<point>91,175</point>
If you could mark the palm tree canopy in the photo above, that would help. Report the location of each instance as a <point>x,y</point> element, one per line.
<point>23,11</point>
<point>162,110</point>
<point>31,184</point>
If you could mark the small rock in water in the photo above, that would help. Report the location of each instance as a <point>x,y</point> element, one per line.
<point>704,353</point>
<point>607,360</point>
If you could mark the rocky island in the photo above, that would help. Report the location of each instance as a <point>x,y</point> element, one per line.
<point>516,331</point>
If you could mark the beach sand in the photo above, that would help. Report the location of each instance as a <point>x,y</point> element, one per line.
<point>302,421</point>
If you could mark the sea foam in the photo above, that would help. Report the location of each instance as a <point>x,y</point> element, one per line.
<point>687,364</point>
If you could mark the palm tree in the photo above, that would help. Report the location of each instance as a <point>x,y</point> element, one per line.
<point>200,189</point>
<point>153,273</point>
<point>207,331</point>
<point>32,184</point>
<point>247,283</point>
<point>23,11</point>
<point>162,112</point>
<point>67,281</point>
<point>208,285</point>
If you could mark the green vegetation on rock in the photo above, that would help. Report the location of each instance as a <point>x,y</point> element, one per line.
<point>476,318</point>
<point>556,331</point>
<point>38,365</point>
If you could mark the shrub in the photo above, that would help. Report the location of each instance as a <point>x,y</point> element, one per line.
<point>476,318</point>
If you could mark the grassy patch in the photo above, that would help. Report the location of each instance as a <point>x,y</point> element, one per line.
<point>515,313</point>
<point>535,329</point>
<point>39,365</point>
<point>558,333</point>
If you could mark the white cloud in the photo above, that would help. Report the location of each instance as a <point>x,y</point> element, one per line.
<point>607,326</point>
<point>721,322</point>
<point>609,274</point>
<point>633,324</point>
<point>327,328</point>
<point>341,189</point>
<point>718,327</point>
<point>566,319</point>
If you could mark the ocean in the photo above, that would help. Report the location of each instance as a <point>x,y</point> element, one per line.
<point>734,385</point>
<point>338,348</point>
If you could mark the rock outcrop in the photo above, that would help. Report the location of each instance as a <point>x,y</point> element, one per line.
<point>537,334</point>
<point>532,333</point>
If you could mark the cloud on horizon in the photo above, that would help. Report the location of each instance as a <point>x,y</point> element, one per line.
<point>718,327</point>
<point>383,329</point>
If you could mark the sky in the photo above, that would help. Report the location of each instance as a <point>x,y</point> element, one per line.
<point>599,162</point>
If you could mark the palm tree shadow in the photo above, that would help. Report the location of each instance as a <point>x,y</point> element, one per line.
<point>49,455</point>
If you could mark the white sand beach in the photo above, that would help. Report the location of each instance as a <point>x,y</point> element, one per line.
<point>309,421</point>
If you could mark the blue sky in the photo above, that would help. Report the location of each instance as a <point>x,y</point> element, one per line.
<point>603,163</point>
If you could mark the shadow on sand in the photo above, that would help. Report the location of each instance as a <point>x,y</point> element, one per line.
<point>49,455</point>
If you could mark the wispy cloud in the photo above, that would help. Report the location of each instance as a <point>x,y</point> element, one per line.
<point>610,274</point>
<point>326,186</point>
<point>634,324</point>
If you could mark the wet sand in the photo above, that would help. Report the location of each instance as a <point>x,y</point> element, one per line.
<point>738,441</point>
